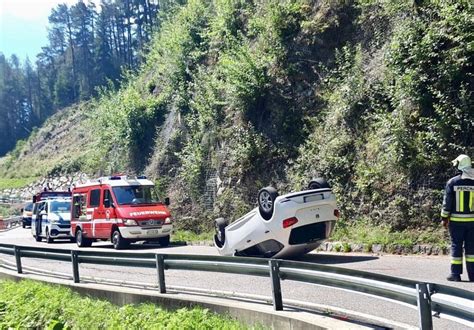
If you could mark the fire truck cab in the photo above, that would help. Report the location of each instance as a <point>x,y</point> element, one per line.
<point>119,209</point>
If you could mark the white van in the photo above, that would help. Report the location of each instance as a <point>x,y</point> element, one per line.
<point>52,219</point>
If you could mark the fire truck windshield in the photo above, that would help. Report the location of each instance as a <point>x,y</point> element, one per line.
<point>135,195</point>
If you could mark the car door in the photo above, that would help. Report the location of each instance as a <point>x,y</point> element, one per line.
<point>79,215</point>
<point>95,211</point>
<point>109,213</point>
<point>39,219</point>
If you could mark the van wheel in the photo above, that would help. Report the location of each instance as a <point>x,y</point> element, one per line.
<point>118,241</point>
<point>164,241</point>
<point>82,241</point>
<point>49,239</point>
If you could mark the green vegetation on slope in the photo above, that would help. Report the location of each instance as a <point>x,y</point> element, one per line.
<point>29,304</point>
<point>235,95</point>
<point>6,183</point>
<point>62,145</point>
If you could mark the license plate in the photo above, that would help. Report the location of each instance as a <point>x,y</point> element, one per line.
<point>152,232</point>
<point>313,198</point>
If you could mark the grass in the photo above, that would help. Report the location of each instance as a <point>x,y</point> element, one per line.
<point>189,236</point>
<point>7,211</point>
<point>34,305</point>
<point>15,183</point>
<point>367,233</point>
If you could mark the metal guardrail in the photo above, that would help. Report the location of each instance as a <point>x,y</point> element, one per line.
<point>428,298</point>
<point>11,222</point>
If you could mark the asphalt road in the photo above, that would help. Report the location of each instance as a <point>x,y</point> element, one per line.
<point>423,268</point>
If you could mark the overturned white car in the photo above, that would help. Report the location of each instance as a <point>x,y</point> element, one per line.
<point>281,226</point>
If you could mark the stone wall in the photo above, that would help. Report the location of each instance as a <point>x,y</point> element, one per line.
<point>60,183</point>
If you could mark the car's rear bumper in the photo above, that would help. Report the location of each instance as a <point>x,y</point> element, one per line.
<point>139,233</point>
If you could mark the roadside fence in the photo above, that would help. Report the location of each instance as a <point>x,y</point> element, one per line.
<point>10,223</point>
<point>428,298</point>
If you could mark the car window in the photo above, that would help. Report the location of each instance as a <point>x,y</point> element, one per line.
<point>79,203</point>
<point>94,200</point>
<point>107,202</point>
<point>39,208</point>
<point>35,208</point>
<point>29,207</point>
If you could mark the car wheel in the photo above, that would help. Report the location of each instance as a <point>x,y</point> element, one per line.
<point>49,239</point>
<point>164,241</point>
<point>318,184</point>
<point>82,241</point>
<point>23,225</point>
<point>266,201</point>
<point>118,241</point>
<point>220,225</point>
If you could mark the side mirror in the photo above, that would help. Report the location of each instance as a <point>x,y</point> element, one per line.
<point>167,201</point>
<point>43,213</point>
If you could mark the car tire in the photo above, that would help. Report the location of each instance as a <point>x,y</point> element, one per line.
<point>164,241</point>
<point>318,184</point>
<point>23,225</point>
<point>82,241</point>
<point>266,202</point>
<point>220,224</point>
<point>118,241</point>
<point>49,239</point>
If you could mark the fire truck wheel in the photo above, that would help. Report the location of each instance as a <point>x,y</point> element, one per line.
<point>82,241</point>
<point>118,241</point>
<point>164,241</point>
<point>49,239</point>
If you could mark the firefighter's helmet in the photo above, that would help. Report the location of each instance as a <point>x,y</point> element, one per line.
<point>462,162</point>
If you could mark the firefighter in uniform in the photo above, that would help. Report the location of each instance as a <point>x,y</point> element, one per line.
<point>457,214</point>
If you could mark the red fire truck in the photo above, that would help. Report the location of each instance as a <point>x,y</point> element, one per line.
<point>119,209</point>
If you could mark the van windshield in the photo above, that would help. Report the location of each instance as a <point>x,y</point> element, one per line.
<point>135,195</point>
<point>60,207</point>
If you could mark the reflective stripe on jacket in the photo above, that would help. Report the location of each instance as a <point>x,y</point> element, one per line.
<point>458,201</point>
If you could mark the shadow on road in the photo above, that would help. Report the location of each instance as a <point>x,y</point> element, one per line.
<point>331,259</point>
<point>141,246</point>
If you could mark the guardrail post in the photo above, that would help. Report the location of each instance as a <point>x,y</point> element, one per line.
<point>160,268</point>
<point>424,306</point>
<point>75,266</point>
<point>17,253</point>
<point>276,287</point>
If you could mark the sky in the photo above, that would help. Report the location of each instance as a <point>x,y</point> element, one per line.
<point>23,26</point>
